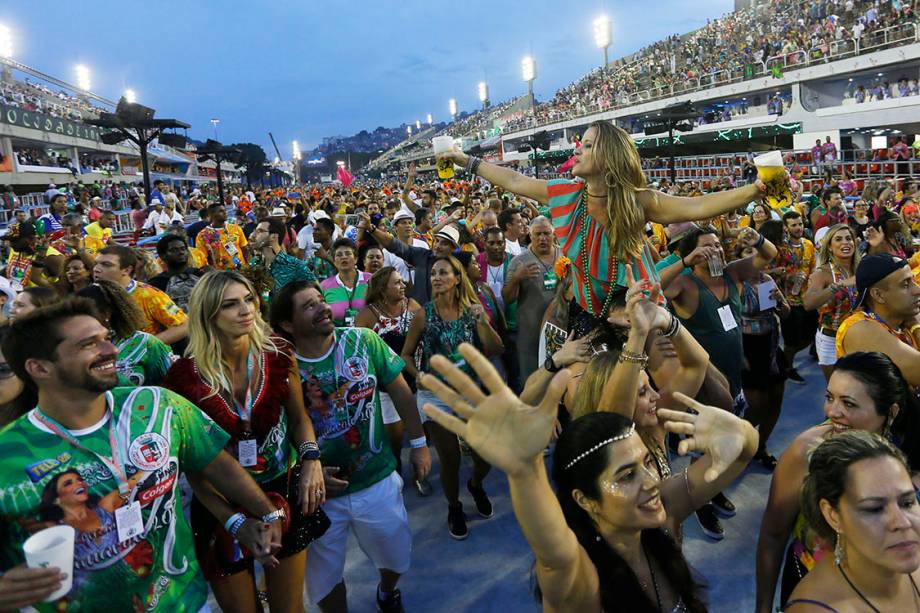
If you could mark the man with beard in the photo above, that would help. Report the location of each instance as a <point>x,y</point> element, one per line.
<point>343,372</point>
<point>31,261</point>
<point>797,259</point>
<point>224,243</point>
<point>165,319</point>
<point>106,461</point>
<point>446,242</point>
<point>885,318</point>
<point>179,277</point>
<point>268,253</point>
<point>531,282</point>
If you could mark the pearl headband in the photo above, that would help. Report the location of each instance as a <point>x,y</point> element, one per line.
<point>625,435</point>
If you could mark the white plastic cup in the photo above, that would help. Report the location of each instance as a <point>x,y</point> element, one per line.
<point>52,547</point>
<point>770,158</point>
<point>442,144</point>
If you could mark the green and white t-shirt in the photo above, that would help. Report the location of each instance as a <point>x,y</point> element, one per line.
<point>342,397</point>
<point>143,359</point>
<point>46,481</point>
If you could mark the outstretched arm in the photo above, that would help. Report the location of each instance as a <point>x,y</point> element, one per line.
<point>504,177</point>
<point>664,208</point>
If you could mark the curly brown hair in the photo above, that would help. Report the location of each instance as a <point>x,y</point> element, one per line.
<point>125,317</point>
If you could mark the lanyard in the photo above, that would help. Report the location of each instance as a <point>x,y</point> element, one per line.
<point>131,286</point>
<point>244,411</point>
<point>354,289</point>
<point>899,334</point>
<point>115,465</point>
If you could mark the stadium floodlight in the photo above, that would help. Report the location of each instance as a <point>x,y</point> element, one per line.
<point>602,34</point>
<point>430,119</point>
<point>295,147</point>
<point>130,96</point>
<point>83,81</point>
<point>277,160</point>
<point>452,106</point>
<point>484,94</point>
<point>6,41</point>
<point>528,69</point>
<point>418,124</point>
<point>409,130</point>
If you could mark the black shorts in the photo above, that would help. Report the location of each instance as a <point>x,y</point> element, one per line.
<point>766,364</point>
<point>215,561</point>
<point>800,326</point>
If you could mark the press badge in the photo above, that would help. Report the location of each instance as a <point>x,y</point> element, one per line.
<point>350,316</point>
<point>728,320</point>
<point>128,521</point>
<point>549,280</point>
<point>247,452</point>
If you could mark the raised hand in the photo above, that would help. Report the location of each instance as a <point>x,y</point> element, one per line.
<point>717,433</point>
<point>504,431</point>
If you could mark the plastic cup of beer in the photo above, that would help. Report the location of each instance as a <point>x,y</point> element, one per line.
<point>443,144</point>
<point>770,170</point>
<point>52,547</point>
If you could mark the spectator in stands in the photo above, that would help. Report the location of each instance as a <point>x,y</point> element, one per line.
<point>179,276</point>
<point>269,254</point>
<point>165,320</point>
<point>51,221</point>
<point>32,261</point>
<point>157,192</point>
<point>102,227</point>
<point>513,227</point>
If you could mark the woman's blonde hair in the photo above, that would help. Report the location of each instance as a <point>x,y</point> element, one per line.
<point>466,295</point>
<point>824,249</point>
<point>203,338</point>
<point>593,379</point>
<point>615,153</point>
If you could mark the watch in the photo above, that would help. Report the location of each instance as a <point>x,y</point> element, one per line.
<point>277,514</point>
<point>549,365</point>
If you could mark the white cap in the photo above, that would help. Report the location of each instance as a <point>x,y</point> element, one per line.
<point>450,233</point>
<point>277,212</point>
<point>320,214</point>
<point>156,201</point>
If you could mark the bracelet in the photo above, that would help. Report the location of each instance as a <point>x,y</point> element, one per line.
<point>473,165</point>
<point>636,358</point>
<point>759,242</point>
<point>309,449</point>
<point>418,443</point>
<point>673,327</point>
<point>277,514</point>
<point>234,523</point>
<point>913,329</point>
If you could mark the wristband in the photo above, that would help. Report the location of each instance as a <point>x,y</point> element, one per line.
<point>277,514</point>
<point>233,524</point>
<point>418,443</point>
<point>308,450</point>
<point>673,327</point>
<point>759,242</point>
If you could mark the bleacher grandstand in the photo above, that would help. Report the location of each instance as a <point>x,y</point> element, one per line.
<point>776,75</point>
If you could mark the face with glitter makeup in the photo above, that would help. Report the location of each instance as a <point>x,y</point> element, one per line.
<point>629,489</point>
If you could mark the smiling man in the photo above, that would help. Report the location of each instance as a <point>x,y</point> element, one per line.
<point>885,316</point>
<point>106,461</point>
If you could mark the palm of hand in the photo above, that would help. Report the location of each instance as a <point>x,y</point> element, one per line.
<point>715,431</point>
<point>507,433</point>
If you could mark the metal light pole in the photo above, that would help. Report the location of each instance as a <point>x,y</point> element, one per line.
<point>484,94</point>
<point>452,107</point>
<point>215,122</point>
<point>602,35</point>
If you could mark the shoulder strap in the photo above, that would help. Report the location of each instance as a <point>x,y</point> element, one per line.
<point>817,603</point>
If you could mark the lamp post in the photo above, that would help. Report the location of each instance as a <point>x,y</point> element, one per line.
<point>529,73</point>
<point>215,122</point>
<point>452,107</point>
<point>484,94</point>
<point>602,35</point>
<point>296,156</point>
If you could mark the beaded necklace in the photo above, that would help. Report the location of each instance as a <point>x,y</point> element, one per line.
<point>614,264</point>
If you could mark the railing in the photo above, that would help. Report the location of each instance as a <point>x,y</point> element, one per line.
<point>868,43</point>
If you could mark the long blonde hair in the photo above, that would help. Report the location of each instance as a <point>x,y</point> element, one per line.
<point>203,338</point>
<point>824,252</point>
<point>615,153</point>
<point>593,379</point>
<point>466,295</point>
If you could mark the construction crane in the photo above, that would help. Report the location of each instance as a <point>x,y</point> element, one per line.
<point>278,151</point>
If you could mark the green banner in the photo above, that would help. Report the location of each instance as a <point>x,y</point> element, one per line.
<point>16,116</point>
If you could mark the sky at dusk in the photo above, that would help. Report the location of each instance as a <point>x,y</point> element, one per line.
<point>305,69</point>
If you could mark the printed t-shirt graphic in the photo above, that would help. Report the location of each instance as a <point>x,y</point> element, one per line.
<point>143,359</point>
<point>223,245</point>
<point>341,393</point>
<point>46,481</point>
<point>159,309</point>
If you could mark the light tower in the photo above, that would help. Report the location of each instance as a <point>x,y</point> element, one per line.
<point>452,107</point>
<point>529,73</point>
<point>602,35</point>
<point>484,94</point>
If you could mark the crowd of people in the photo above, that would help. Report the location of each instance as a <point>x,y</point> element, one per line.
<point>257,384</point>
<point>735,46</point>
<point>38,97</point>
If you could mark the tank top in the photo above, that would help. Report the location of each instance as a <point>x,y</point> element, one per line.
<point>832,313</point>
<point>724,347</point>
<point>862,315</point>
<point>393,329</point>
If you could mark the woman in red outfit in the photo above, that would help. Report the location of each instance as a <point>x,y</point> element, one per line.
<point>247,382</point>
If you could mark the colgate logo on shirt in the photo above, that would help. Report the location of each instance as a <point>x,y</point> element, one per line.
<point>161,488</point>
